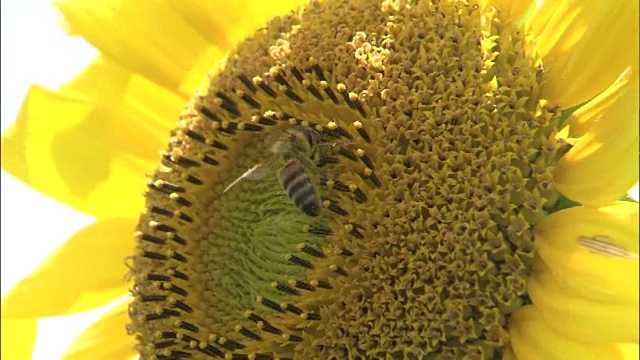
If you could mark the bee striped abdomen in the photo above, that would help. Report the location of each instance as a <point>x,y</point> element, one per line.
<point>297,184</point>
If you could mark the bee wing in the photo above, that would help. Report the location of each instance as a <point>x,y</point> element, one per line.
<point>273,136</point>
<point>257,172</point>
<point>273,140</point>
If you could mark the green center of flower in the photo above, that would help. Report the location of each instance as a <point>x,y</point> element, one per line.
<point>433,161</point>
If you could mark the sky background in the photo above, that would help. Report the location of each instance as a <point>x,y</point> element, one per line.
<point>35,50</point>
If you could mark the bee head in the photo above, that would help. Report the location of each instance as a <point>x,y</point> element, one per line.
<point>303,138</point>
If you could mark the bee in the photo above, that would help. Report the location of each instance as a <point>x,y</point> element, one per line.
<point>297,149</point>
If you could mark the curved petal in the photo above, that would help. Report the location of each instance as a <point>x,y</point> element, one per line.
<point>576,42</point>
<point>594,251</point>
<point>532,338</point>
<point>82,145</point>
<point>107,338</point>
<point>629,351</point>
<point>86,272</point>
<point>224,24</point>
<point>586,319</point>
<point>603,165</point>
<point>167,54</point>
<point>159,52</point>
<point>581,120</point>
<point>518,9</point>
<point>18,338</point>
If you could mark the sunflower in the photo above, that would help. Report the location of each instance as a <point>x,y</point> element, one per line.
<point>448,195</point>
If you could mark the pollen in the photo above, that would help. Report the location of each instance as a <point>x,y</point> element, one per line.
<point>432,161</point>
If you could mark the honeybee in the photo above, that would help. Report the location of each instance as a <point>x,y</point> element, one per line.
<point>297,149</point>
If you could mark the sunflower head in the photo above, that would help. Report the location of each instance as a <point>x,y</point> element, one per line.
<point>435,153</point>
<point>357,180</point>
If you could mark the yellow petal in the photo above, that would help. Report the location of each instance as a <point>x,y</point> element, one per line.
<point>581,120</point>
<point>85,272</point>
<point>58,146</point>
<point>167,54</point>
<point>629,351</point>
<point>134,107</point>
<point>517,9</point>
<point>136,35</point>
<point>532,339</point>
<point>580,317</point>
<point>603,165</point>
<point>18,338</point>
<point>584,46</point>
<point>105,339</point>
<point>224,24</point>
<point>83,147</point>
<point>593,251</point>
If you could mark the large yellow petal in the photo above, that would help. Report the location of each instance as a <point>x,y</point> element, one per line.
<point>136,35</point>
<point>60,146</point>
<point>629,351</point>
<point>18,338</point>
<point>225,24</point>
<point>105,339</point>
<point>87,271</point>
<point>594,251</point>
<point>133,106</point>
<point>517,9</point>
<point>603,165</point>
<point>585,45</point>
<point>82,145</point>
<point>588,320</point>
<point>533,339</point>
<point>167,54</point>
<point>581,120</point>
